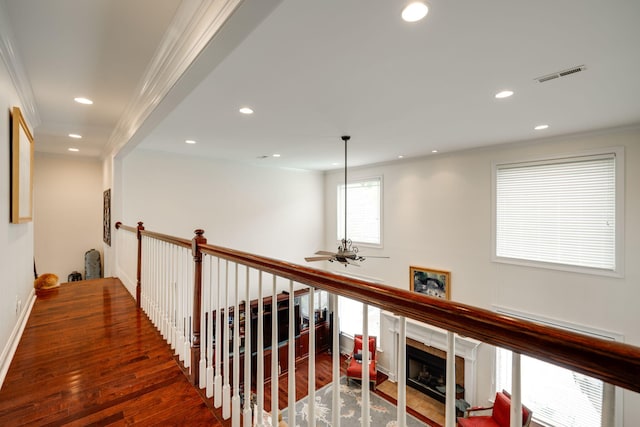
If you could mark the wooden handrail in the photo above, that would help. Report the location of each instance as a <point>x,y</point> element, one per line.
<point>610,361</point>
<point>185,243</point>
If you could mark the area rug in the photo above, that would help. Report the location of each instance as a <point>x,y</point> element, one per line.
<point>381,412</point>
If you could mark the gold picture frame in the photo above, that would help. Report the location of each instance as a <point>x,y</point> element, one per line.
<point>21,169</point>
<point>434,283</point>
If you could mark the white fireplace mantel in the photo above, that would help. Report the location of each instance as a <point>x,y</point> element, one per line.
<point>437,338</point>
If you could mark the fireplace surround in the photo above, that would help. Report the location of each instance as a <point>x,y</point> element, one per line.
<point>432,340</point>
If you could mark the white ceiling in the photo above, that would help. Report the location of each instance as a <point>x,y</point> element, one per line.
<point>315,70</point>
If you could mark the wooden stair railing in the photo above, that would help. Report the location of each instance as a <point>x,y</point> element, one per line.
<point>613,362</point>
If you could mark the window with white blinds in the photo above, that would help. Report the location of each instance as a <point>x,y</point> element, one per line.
<point>561,212</point>
<point>556,396</point>
<point>364,201</point>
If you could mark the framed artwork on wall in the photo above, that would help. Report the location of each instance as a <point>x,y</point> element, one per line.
<point>21,169</point>
<point>434,283</point>
<point>106,217</point>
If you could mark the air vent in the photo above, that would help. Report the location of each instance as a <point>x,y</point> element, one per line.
<point>562,73</point>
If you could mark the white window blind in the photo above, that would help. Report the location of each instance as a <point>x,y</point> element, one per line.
<point>561,211</point>
<point>363,211</point>
<point>557,396</point>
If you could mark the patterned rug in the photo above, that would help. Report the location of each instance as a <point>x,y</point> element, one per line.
<point>381,412</point>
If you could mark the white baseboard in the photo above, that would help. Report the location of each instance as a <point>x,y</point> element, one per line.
<point>10,348</point>
<point>128,282</point>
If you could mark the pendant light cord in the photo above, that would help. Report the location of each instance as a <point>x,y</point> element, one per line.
<point>345,139</point>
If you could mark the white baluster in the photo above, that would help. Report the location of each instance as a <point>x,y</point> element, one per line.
<point>247,355</point>
<point>402,372</point>
<point>365,366</point>
<point>217,380</point>
<point>204,309</point>
<point>312,359</point>
<point>226,388</point>
<point>179,306</point>
<point>188,285</point>
<point>170,297</point>
<point>274,354</point>
<point>450,399</point>
<point>260,359</point>
<point>291,398</point>
<point>235,400</point>
<point>212,293</point>
<point>335,408</point>
<point>516,396</point>
<point>165,292</point>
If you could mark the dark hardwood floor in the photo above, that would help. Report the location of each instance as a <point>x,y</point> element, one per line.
<point>89,357</point>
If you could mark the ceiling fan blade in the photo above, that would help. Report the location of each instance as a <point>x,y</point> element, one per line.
<point>372,256</point>
<point>318,258</point>
<point>325,253</point>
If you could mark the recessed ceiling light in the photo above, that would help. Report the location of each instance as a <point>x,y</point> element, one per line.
<point>415,11</point>
<point>504,94</point>
<point>81,100</point>
<point>189,141</point>
<point>434,151</point>
<point>75,135</point>
<point>74,149</point>
<point>276,155</point>
<point>401,156</point>
<point>541,127</point>
<point>246,110</point>
<point>335,164</point>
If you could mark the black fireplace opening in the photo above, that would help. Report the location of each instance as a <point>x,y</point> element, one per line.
<point>426,373</point>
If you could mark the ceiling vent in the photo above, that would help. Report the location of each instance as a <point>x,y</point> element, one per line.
<point>562,73</point>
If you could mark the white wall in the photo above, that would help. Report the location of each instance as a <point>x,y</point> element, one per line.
<point>273,212</point>
<point>437,214</point>
<point>16,240</point>
<point>67,211</point>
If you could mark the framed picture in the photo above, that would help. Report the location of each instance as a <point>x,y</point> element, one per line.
<point>106,217</point>
<point>435,283</point>
<point>21,169</point>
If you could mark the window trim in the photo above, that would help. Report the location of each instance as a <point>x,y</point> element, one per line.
<point>341,214</point>
<point>618,153</point>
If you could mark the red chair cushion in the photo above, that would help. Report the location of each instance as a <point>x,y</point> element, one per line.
<point>355,369</point>
<point>501,410</point>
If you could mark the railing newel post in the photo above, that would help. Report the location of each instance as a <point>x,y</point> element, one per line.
<point>140,228</point>
<point>198,240</point>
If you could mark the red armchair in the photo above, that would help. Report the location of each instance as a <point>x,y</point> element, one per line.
<point>500,414</point>
<point>354,361</point>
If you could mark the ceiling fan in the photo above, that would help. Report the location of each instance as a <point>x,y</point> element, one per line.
<point>347,253</point>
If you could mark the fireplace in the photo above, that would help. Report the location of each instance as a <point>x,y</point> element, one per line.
<point>432,341</point>
<point>427,371</point>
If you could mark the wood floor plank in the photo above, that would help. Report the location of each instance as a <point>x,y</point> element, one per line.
<point>89,357</point>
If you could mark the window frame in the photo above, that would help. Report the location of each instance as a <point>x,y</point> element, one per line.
<point>340,214</point>
<point>618,153</point>
<point>573,327</point>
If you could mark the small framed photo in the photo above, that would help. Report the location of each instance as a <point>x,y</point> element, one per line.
<point>434,283</point>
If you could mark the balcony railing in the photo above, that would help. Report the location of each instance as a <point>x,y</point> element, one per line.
<point>198,294</point>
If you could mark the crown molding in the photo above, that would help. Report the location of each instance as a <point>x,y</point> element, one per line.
<point>195,23</point>
<point>16,70</point>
